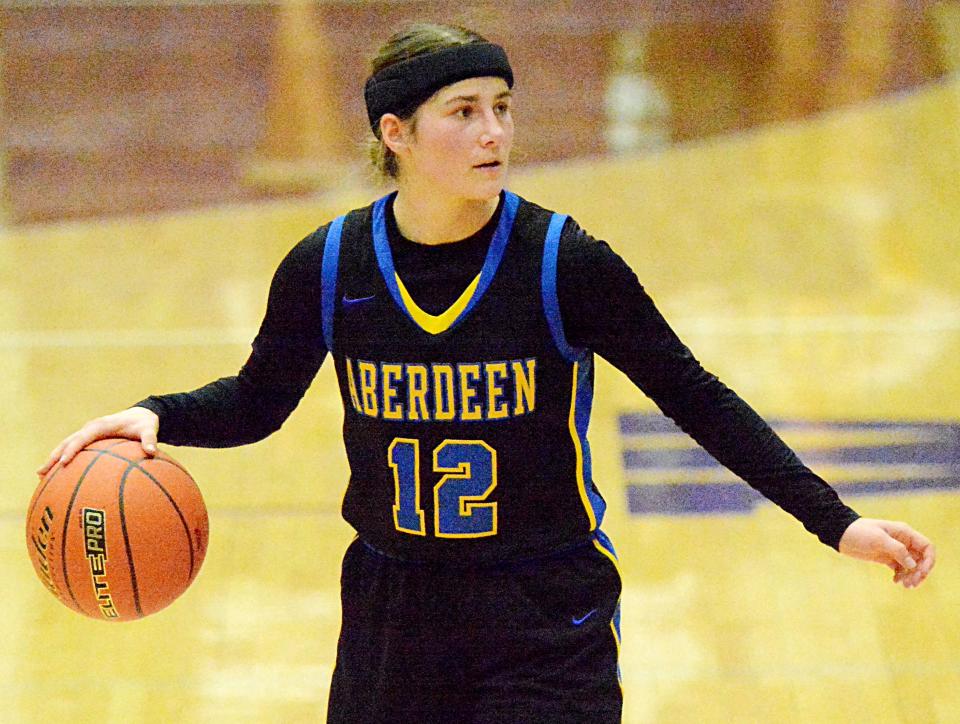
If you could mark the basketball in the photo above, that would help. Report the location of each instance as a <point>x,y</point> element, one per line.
<point>115,534</point>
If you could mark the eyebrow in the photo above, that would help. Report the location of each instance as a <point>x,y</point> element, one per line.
<point>474,99</point>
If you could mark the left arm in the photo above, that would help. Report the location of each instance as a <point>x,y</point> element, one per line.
<point>605,308</point>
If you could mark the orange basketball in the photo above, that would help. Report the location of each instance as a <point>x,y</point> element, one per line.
<point>117,535</point>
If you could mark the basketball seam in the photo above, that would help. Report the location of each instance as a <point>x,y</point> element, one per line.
<point>164,459</point>
<point>183,521</point>
<point>43,487</point>
<point>126,541</point>
<point>58,467</point>
<point>169,461</point>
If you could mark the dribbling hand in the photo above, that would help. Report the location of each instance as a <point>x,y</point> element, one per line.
<point>135,423</point>
<point>896,545</point>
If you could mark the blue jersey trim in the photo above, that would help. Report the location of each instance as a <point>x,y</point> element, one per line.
<point>584,405</point>
<point>328,278</point>
<point>381,246</point>
<point>605,541</point>
<point>584,389</point>
<point>548,288</point>
<point>601,539</point>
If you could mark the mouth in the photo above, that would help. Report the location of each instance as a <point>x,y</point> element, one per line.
<point>491,164</point>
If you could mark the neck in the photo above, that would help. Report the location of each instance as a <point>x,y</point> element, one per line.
<point>435,219</point>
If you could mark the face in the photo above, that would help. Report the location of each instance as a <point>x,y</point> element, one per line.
<point>462,141</point>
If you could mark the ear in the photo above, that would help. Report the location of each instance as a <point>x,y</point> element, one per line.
<point>394,133</point>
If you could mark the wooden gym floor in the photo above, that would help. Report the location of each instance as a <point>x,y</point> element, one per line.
<point>812,267</point>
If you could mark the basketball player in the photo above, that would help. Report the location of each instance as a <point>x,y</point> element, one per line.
<point>462,322</point>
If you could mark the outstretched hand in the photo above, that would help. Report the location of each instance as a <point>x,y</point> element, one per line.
<point>896,545</point>
<point>136,423</point>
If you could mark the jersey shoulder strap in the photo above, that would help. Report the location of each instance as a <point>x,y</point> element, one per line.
<point>548,288</point>
<point>328,278</point>
<point>343,235</point>
<point>551,306</point>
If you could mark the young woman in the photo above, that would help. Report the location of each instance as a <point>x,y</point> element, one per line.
<point>462,321</point>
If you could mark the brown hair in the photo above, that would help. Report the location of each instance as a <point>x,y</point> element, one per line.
<point>416,39</point>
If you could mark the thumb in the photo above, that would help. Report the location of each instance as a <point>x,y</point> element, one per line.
<point>899,553</point>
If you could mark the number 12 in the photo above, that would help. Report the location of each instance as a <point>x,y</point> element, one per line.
<point>470,475</point>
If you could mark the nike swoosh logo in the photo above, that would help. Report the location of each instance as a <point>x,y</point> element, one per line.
<point>578,621</point>
<point>357,300</point>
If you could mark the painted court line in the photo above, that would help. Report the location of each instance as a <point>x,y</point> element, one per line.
<point>105,338</point>
<point>827,324</point>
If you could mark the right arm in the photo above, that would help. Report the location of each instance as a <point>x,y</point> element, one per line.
<point>287,353</point>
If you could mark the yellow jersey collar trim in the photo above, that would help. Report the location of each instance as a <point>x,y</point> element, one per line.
<point>435,324</point>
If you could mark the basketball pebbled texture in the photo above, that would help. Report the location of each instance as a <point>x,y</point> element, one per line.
<point>115,534</point>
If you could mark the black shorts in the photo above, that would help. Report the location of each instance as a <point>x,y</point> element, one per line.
<point>522,642</point>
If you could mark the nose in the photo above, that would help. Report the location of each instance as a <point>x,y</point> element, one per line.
<point>493,131</point>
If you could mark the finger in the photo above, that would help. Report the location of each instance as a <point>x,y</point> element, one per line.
<point>926,564</point>
<point>43,469</point>
<point>904,576</point>
<point>148,441</point>
<point>929,558</point>
<point>52,459</point>
<point>915,541</point>
<point>898,553</point>
<point>907,579</point>
<point>914,578</point>
<point>78,441</point>
<point>47,465</point>
<point>70,450</point>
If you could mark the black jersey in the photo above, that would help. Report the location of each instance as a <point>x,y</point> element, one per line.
<point>466,432</point>
<point>507,315</point>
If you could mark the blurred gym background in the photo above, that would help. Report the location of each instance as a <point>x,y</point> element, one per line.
<point>782,175</point>
<point>117,107</point>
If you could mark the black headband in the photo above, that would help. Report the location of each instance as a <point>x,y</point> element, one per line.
<point>403,86</point>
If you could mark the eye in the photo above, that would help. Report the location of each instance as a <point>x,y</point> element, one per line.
<point>503,107</point>
<point>464,112</point>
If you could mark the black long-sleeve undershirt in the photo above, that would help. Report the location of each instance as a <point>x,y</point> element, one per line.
<point>603,307</point>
